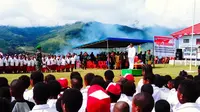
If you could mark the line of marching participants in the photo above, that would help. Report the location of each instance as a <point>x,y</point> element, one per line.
<point>26,64</point>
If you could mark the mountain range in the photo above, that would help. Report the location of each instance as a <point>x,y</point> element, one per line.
<point>59,38</point>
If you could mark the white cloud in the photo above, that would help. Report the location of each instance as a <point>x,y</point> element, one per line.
<point>169,13</point>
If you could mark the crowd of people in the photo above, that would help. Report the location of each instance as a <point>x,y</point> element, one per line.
<point>59,63</point>
<point>153,93</point>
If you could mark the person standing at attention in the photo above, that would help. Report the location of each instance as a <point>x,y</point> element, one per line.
<point>131,55</point>
<point>38,58</point>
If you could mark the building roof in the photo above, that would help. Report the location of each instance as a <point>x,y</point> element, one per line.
<point>114,42</point>
<point>187,31</point>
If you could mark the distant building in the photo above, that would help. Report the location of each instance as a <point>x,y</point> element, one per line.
<point>184,41</point>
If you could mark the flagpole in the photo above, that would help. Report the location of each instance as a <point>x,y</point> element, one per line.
<point>192,36</point>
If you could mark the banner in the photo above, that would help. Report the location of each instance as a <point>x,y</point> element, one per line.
<point>164,46</point>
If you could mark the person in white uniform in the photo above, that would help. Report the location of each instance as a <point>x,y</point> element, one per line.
<point>41,94</point>
<point>131,55</point>
<point>187,96</point>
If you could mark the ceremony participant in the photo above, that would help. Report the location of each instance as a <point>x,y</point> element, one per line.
<point>16,63</point>
<point>25,64</point>
<point>77,82</point>
<point>162,106</point>
<point>142,102</point>
<point>149,79</point>
<point>63,64</point>
<point>1,64</point>
<point>72,100</point>
<point>19,104</point>
<point>29,65</point>
<point>98,100</point>
<point>5,93</point>
<point>98,80</point>
<point>128,91</point>
<point>87,79</point>
<point>109,76</point>
<point>147,88</point>
<point>39,58</point>
<point>21,64</point>
<point>131,55</point>
<point>35,77</point>
<point>58,64</point>
<point>12,64</point>
<point>7,64</point>
<point>55,89</point>
<point>84,62</point>
<point>49,77</point>
<point>26,81</point>
<point>73,61</point>
<point>121,106</point>
<point>114,91</point>
<point>187,96</point>
<point>44,66</point>
<point>149,58</point>
<point>48,63</point>
<point>172,97</point>
<point>4,105</point>
<point>67,59</point>
<point>64,83</point>
<point>41,94</point>
<point>53,62</point>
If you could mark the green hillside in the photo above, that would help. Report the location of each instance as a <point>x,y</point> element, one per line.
<point>56,39</point>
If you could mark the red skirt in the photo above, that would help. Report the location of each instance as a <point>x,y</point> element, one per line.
<point>29,68</point>
<point>62,67</point>
<point>72,65</point>
<point>67,66</point>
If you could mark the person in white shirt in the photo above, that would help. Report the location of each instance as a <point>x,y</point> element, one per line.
<point>19,104</point>
<point>12,64</point>
<point>35,78</point>
<point>16,63</point>
<point>162,106</point>
<point>55,89</point>
<point>87,79</point>
<point>48,63</point>
<point>121,106</point>
<point>148,79</point>
<point>44,65</point>
<point>146,70</point>
<point>63,64</point>
<point>25,59</point>
<point>53,63</point>
<point>58,63</point>
<point>128,93</point>
<point>172,96</point>
<point>159,81</point>
<point>68,61</point>
<point>21,64</point>
<point>28,62</point>
<point>1,64</point>
<point>187,96</point>
<point>73,61</point>
<point>114,91</point>
<point>71,100</point>
<point>41,94</point>
<point>142,102</point>
<point>7,65</point>
<point>131,55</point>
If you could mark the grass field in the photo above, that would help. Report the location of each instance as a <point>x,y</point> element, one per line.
<point>159,69</point>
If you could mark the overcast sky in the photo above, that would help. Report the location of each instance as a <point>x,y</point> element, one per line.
<point>169,13</point>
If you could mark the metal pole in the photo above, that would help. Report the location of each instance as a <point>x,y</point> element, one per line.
<point>193,21</point>
<point>108,54</point>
